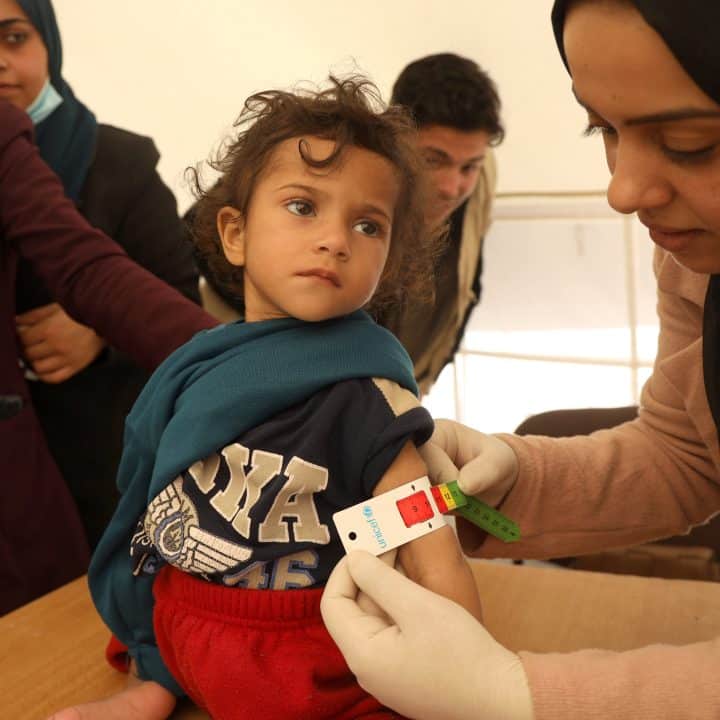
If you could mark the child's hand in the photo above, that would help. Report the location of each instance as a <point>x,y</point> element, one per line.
<point>426,657</point>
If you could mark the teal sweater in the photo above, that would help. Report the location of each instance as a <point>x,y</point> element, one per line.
<point>222,383</point>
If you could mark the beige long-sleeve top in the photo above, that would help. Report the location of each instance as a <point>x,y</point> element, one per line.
<point>650,478</point>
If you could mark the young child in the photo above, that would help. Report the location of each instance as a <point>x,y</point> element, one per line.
<point>248,439</point>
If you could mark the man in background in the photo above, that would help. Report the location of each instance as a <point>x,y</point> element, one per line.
<point>457,109</point>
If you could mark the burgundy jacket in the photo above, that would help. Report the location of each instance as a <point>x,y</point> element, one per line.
<point>42,543</point>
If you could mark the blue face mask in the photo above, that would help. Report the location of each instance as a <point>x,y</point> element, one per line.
<point>43,105</point>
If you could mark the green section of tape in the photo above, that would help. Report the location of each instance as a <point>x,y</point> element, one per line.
<point>484,516</point>
<point>456,493</point>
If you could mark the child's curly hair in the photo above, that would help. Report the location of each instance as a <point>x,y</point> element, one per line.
<point>350,112</point>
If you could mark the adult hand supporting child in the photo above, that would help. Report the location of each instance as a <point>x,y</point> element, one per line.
<point>452,668</point>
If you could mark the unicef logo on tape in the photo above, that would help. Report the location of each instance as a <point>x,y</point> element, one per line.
<point>377,533</point>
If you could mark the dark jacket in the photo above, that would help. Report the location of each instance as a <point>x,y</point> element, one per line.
<point>83,417</point>
<point>42,543</point>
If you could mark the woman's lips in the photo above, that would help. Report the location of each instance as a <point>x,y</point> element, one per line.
<point>672,240</point>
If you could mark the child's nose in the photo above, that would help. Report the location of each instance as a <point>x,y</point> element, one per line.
<point>335,241</point>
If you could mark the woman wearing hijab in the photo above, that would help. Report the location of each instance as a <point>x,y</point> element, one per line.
<point>82,389</point>
<point>648,74</point>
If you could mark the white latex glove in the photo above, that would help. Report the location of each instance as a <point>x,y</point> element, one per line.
<point>482,464</point>
<point>425,657</point>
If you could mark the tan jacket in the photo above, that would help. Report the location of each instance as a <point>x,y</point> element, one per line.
<point>650,478</point>
<point>440,347</point>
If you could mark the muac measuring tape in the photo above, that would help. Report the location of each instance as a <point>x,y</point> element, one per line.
<point>477,512</point>
<point>411,511</point>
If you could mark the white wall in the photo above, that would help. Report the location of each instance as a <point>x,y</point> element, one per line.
<point>179,70</point>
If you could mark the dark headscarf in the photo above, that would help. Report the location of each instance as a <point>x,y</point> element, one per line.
<point>688,27</point>
<point>66,138</point>
<point>690,30</point>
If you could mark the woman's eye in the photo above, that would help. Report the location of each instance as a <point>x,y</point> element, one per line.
<point>367,227</point>
<point>15,38</point>
<point>593,129</point>
<point>697,155</point>
<point>300,207</point>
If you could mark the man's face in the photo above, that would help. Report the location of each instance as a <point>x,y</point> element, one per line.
<point>454,158</point>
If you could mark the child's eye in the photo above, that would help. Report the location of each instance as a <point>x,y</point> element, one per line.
<point>368,227</point>
<point>303,208</point>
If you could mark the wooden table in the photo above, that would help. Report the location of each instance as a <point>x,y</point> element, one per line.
<point>51,651</point>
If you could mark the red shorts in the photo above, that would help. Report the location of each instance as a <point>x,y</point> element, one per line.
<point>255,654</point>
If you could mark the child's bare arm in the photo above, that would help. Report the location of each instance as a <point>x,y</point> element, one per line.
<point>434,561</point>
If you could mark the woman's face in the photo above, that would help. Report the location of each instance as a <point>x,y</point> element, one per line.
<point>661,131</point>
<point>23,57</point>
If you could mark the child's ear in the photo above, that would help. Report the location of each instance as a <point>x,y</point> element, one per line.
<point>231,229</point>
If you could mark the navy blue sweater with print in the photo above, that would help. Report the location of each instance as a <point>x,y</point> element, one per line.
<point>258,513</point>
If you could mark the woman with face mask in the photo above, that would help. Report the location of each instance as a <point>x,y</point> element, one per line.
<point>82,388</point>
<point>648,74</point>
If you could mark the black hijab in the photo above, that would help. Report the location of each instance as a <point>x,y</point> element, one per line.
<point>688,27</point>
<point>690,30</point>
<point>66,138</point>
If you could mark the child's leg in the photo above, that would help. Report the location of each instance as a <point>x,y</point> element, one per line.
<point>144,701</point>
<point>248,654</point>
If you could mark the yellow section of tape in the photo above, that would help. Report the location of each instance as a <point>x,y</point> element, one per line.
<point>447,497</point>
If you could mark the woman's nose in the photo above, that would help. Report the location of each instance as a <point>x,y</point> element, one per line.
<point>638,181</point>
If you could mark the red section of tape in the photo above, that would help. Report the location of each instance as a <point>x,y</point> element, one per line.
<point>439,499</point>
<point>415,509</point>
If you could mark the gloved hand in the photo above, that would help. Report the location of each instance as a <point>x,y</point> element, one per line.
<point>427,657</point>
<point>482,464</point>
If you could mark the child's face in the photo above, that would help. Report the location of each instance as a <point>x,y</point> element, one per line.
<point>314,243</point>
